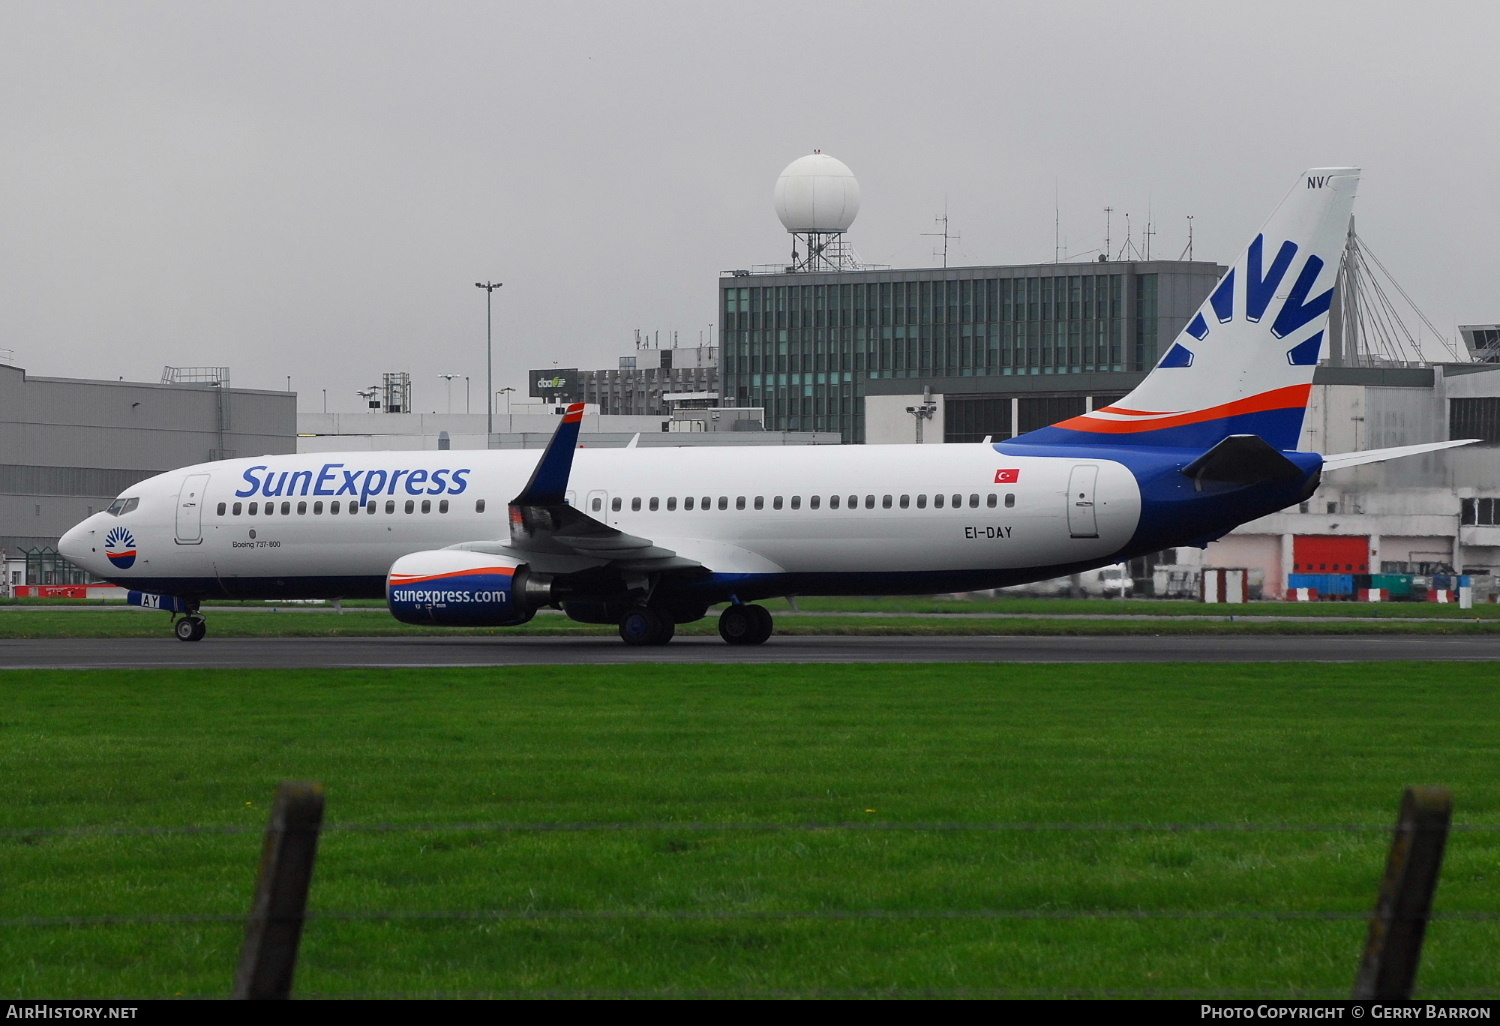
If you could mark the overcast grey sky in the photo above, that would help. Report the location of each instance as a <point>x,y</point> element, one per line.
<point>313,188</point>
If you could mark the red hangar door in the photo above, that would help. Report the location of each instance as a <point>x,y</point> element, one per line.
<point>1330,554</point>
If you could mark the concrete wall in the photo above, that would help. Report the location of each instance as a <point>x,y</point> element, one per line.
<point>888,423</point>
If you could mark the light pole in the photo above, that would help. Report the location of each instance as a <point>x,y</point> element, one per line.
<point>506,391</point>
<point>489,354</point>
<point>923,410</point>
<point>449,378</point>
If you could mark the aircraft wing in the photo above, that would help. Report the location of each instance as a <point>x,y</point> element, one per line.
<point>554,537</point>
<point>1339,461</point>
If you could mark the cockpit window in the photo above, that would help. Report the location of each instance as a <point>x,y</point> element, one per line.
<point>122,505</point>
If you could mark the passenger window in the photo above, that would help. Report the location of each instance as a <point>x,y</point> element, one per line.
<point>723,502</point>
<point>317,509</point>
<point>739,502</point>
<point>885,502</point>
<point>655,504</point>
<point>796,502</point>
<point>635,504</point>
<point>370,507</point>
<point>776,502</point>
<point>270,509</point>
<point>687,503</point>
<point>869,502</point>
<point>222,508</point>
<point>597,504</point>
<point>815,501</point>
<point>426,505</point>
<point>671,503</point>
<point>411,505</point>
<point>706,503</point>
<point>760,502</point>
<point>1010,499</point>
<point>390,505</point>
<point>253,507</point>
<point>854,502</point>
<point>974,500</point>
<point>937,501</point>
<point>237,508</point>
<point>479,505</point>
<point>958,501</point>
<point>905,501</point>
<point>615,503</point>
<point>990,500</point>
<point>922,501</point>
<point>833,502</point>
<point>302,509</point>
<point>442,505</point>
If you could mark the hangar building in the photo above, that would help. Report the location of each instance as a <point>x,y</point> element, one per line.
<point>68,446</point>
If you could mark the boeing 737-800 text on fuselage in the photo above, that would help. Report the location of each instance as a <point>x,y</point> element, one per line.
<point>649,538</point>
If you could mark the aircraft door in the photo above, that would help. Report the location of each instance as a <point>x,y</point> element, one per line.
<point>1081,520</point>
<point>190,509</point>
<point>597,506</point>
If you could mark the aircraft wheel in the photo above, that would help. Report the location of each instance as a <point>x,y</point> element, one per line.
<point>190,628</point>
<point>764,625</point>
<point>745,625</point>
<point>642,627</point>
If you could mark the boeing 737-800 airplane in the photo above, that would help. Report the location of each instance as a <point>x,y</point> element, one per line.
<point>649,538</point>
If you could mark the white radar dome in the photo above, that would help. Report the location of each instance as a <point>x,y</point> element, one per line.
<point>817,193</point>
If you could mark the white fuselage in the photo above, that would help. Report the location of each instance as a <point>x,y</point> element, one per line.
<point>867,510</point>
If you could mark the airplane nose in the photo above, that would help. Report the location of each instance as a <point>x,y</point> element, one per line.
<point>74,546</point>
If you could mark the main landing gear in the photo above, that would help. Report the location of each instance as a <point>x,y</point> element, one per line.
<point>643,626</point>
<point>190,628</point>
<point>745,624</point>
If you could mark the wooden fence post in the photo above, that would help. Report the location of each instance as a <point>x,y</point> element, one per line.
<point>1388,971</point>
<point>269,958</point>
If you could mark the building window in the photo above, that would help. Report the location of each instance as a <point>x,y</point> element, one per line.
<point>1480,513</point>
<point>1475,418</point>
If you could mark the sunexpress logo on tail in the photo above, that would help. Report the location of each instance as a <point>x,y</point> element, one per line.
<point>1297,310</point>
<point>333,480</point>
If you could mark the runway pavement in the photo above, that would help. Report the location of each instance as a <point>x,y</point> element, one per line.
<point>287,653</point>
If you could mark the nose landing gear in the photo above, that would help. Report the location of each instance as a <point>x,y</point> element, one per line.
<point>745,625</point>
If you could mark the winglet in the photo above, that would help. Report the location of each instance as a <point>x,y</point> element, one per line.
<point>549,481</point>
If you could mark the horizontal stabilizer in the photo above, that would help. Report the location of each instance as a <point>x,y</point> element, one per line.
<point>1242,460</point>
<point>1341,460</point>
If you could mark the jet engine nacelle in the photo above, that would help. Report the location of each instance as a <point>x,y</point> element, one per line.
<point>458,588</point>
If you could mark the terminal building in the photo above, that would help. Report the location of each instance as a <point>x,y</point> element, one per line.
<point>68,446</point>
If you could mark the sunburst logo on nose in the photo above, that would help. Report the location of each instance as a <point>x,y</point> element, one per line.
<point>119,546</point>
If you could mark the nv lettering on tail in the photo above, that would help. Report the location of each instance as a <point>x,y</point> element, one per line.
<point>1316,181</point>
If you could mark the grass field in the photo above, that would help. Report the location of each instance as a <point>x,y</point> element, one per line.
<point>1157,744</point>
